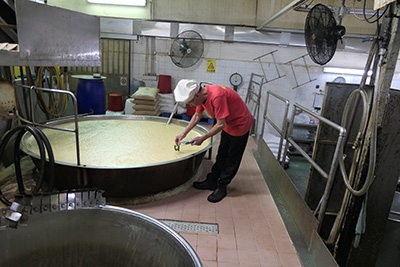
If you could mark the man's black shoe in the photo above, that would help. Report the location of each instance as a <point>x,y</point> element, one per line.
<point>218,194</point>
<point>206,184</point>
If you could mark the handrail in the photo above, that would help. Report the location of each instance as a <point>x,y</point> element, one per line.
<point>281,131</point>
<point>34,123</point>
<point>332,171</point>
<point>253,97</point>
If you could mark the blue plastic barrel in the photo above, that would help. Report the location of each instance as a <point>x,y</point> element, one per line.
<point>91,95</point>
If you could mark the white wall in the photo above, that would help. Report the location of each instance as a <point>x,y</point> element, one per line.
<point>238,57</point>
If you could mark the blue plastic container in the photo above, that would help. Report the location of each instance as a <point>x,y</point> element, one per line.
<point>91,95</point>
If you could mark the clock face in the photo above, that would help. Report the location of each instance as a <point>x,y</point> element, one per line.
<point>236,79</point>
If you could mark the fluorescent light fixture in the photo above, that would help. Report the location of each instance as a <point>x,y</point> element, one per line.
<point>346,71</point>
<point>119,2</point>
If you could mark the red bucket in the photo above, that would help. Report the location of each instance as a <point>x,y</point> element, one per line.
<point>115,102</point>
<point>164,84</point>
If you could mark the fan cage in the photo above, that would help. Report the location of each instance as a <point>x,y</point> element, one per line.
<point>320,34</point>
<point>187,49</point>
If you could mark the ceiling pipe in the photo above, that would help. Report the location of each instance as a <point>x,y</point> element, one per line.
<point>337,10</point>
<point>280,13</point>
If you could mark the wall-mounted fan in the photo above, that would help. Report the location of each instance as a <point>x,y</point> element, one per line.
<point>322,34</point>
<point>186,49</point>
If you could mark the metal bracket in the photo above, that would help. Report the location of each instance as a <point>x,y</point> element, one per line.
<point>28,205</point>
<point>294,74</point>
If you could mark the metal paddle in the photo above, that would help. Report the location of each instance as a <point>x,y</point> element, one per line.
<point>173,112</point>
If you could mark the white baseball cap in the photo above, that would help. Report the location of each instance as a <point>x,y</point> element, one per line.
<point>185,90</point>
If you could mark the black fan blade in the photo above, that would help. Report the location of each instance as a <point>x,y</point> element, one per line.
<point>187,49</point>
<point>321,34</point>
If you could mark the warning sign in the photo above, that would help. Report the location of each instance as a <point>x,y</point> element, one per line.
<point>211,65</point>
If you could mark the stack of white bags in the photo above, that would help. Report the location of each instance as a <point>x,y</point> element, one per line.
<point>167,103</point>
<point>145,101</point>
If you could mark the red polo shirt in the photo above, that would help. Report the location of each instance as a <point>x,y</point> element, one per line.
<point>224,103</point>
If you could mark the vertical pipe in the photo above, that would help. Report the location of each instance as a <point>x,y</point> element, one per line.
<point>31,105</point>
<point>265,116</point>
<point>331,177</point>
<point>74,101</point>
<point>357,100</point>
<point>283,134</point>
<point>289,134</point>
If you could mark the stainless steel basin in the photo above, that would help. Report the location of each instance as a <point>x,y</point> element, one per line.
<point>108,236</point>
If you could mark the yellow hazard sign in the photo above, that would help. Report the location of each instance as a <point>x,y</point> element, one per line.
<point>211,65</point>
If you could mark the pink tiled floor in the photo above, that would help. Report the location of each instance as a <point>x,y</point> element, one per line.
<point>251,232</point>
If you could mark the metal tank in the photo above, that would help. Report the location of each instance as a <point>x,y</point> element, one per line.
<point>92,236</point>
<point>127,181</point>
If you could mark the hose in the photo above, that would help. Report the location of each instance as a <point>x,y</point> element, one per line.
<point>349,179</point>
<point>40,139</point>
<point>363,125</point>
<point>57,102</point>
<point>376,14</point>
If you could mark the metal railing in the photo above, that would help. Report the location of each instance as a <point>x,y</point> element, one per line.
<point>335,160</point>
<point>253,98</point>
<point>283,130</point>
<point>32,113</point>
<point>285,134</point>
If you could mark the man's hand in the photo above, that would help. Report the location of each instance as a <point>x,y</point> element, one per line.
<point>197,141</point>
<point>179,138</point>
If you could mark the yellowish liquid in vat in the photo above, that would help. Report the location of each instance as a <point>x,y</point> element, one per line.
<point>118,143</point>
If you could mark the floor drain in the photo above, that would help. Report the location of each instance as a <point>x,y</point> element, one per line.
<point>192,227</point>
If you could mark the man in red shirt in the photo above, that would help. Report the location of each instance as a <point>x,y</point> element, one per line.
<point>234,121</point>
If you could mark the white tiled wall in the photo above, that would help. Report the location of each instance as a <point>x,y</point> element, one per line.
<point>239,57</point>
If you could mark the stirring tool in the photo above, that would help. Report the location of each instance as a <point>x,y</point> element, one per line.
<point>172,113</point>
<point>182,143</point>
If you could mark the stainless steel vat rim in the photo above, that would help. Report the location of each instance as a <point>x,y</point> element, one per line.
<point>115,211</point>
<point>122,117</point>
<point>163,226</point>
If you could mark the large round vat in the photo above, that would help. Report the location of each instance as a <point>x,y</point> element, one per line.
<point>108,236</point>
<point>134,178</point>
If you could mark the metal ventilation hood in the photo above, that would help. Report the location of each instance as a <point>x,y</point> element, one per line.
<point>54,36</point>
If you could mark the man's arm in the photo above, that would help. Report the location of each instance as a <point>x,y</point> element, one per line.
<point>218,127</point>
<point>193,122</point>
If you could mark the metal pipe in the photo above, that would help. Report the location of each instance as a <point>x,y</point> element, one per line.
<point>361,87</point>
<point>307,157</point>
<point>289,134</point>
<point>331,177</point>
<point>75,103</point>
<point>173,112</point>
<point>280,13</point>
<point>31,105</point>
<point>265,117</point>
<point>319,117</point>
<point>335,160</point>
<point>281,131</point>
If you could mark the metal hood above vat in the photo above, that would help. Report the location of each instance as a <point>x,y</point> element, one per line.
<point>50,35</point>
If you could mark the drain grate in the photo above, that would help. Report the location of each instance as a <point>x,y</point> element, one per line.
<point>192,227</point>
